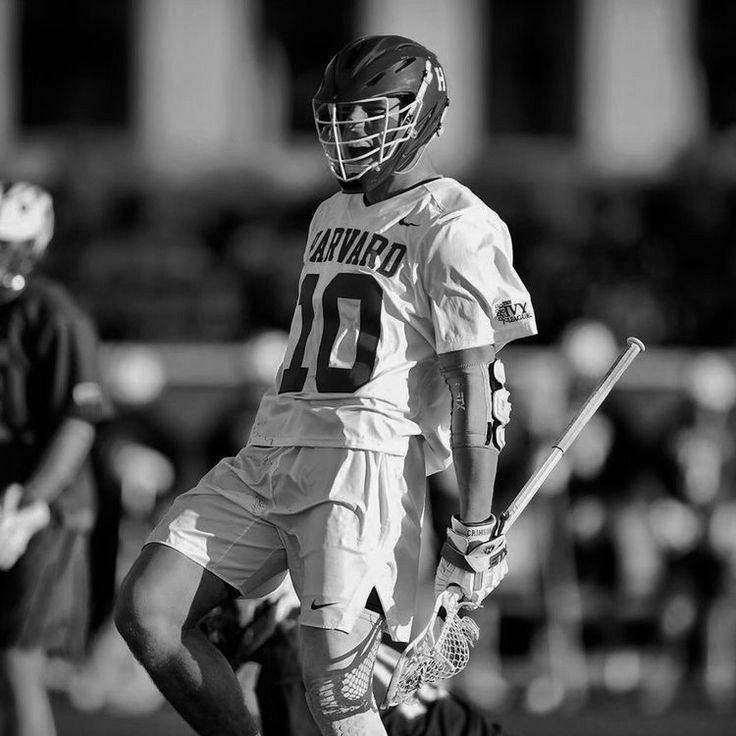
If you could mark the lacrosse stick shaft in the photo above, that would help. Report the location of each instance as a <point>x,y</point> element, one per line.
<point>599,393</point>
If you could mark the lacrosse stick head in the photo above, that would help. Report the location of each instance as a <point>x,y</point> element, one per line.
<point>439,652</point>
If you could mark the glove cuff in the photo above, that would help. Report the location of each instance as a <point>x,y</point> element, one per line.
<point>474,530</point>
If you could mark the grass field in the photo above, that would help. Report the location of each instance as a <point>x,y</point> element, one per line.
<point>604,720</point>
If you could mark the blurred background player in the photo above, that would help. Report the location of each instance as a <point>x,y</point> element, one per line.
<point>50,400</point>
<point>407,285</point>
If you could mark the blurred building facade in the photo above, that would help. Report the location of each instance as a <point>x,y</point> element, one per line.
<point>195,84</point>
<point>177,139</point>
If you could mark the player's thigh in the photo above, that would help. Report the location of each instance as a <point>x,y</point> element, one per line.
<point>328,651</point>
<point>353,525</point>
<point>223,526</point>
<point>164,588</point>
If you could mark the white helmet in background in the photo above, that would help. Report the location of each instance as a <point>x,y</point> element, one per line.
<point>26,227</point>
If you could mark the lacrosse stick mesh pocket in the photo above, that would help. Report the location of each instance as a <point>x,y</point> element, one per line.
<point>433,661</point>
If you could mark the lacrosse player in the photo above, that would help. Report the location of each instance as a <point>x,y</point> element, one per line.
<point>50,401</point>
<point>407,288</point>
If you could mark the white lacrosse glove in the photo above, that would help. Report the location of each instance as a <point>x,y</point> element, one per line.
<point>473,558</point>
<point>18,525</point>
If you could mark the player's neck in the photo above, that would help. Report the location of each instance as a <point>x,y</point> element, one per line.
<point>421,171</point>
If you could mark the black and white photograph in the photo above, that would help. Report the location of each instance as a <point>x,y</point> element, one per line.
<point>367,368</point>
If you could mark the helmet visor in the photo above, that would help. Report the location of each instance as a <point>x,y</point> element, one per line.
<point>359,135</point>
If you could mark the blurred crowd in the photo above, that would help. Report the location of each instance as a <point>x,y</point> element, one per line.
<point>623,574</point>
<point>217,258</point>
<point>623,570</point>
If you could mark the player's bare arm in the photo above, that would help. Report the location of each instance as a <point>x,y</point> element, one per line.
<point>61,462</point>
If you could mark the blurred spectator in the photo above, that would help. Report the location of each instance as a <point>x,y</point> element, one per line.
<point>261,358</point>
<point>133,461</point>
<point>268,260</point>
<point>148,278</point>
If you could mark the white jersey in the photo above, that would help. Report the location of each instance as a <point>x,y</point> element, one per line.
<point>385,288</point>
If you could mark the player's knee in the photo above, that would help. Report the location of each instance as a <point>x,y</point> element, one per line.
<point>337,694</point>
<point>144,618</point>
<point>340,685</point>
<point>128,616</point>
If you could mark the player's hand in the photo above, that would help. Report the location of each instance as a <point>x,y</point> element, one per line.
<point>18,524</point>
<point>473,558</point>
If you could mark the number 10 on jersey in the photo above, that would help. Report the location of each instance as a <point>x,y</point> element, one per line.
<point>360,287</point>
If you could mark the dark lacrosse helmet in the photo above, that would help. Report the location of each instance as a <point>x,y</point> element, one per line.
<point>382,99</point>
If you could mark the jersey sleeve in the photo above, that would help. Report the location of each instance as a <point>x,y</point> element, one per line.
<point>76,384</point>
<point>475,295</point>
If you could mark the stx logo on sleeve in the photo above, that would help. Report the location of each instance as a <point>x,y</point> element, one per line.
<point>508,312</point>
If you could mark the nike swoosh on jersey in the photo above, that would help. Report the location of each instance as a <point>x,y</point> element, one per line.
<point>403,221</point>
<point>316,605</point>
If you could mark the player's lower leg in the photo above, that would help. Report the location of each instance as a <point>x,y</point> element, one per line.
<point>338,676</point>
<point>197,680</point>
<point>188,670</point>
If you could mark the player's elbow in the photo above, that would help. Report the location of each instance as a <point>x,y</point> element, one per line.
<point>480,401</point>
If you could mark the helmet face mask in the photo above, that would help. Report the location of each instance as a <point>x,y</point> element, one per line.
<point>26,227</point>
<point>382,99</point>
<point>355,144</point>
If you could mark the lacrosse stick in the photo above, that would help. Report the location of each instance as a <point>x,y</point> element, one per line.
<point>442,649</point>
<point>586,411</point>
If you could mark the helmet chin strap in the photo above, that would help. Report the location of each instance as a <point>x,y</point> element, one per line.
<point>420,152</point>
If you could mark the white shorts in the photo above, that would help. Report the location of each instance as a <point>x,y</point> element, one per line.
<point>341,521</point>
